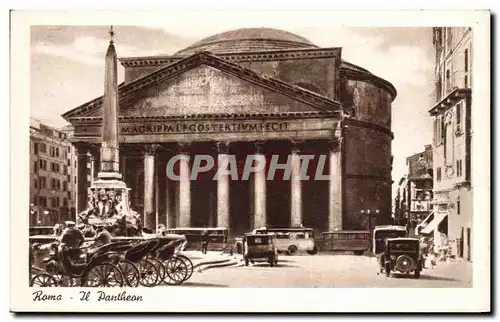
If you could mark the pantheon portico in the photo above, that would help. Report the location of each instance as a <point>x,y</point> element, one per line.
<point>259,92</point>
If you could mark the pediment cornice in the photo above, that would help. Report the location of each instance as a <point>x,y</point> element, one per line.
<point>317,101</point>
<point>239,57</point>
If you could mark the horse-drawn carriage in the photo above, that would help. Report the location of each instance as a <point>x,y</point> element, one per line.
<point>131,258</point>
<point>124,262</point>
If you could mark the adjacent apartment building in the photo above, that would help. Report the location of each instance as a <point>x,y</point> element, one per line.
<point>52,175</point>
<point>452,211</point>
<point>413,202</point>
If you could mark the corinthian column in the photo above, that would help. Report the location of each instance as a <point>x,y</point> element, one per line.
<point>150,151</point>
<point>184,189</point>
<point>335,186</point>
<point>95,163</point>
<point>81,176</point>
<point>260,219</point>
<point>296,188</point>
<point>222,187</point>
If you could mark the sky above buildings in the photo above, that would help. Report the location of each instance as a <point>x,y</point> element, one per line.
<point>67,66</point>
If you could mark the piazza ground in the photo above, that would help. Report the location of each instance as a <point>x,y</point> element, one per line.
<point>330,271</point>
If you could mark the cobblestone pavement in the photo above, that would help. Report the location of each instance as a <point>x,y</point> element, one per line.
<point>330,271</point>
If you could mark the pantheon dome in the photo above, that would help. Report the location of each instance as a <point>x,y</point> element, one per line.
<point>252,91</point>
<point>247,40</point>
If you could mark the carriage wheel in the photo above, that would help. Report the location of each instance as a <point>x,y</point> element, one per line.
<point>189,265</point>
<point>67,281</point>
<point>43,280</point>
<point>103,275</point>
<point>177,271</point>
<point>161,269</point>
<point>149,274</point>
<point>130,273</point>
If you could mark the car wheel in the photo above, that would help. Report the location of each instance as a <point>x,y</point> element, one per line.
<point>387,270</point>
<point>292,250</point>
<point>417,274</point>
<point>246,261</point>
<point>313,252</point>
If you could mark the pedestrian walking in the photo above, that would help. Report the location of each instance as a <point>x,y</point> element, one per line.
<point>204,242</point>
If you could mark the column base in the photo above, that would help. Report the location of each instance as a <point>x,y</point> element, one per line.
<point>109,175</point>
<point>110,183</point>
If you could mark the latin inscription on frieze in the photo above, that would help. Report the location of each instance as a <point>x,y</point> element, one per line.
<point>202,127</point>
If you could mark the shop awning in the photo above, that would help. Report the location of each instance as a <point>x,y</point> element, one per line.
<point>426,220</point>
<point>424,223</point>
<point>403,182</point>
<point>438,218</point>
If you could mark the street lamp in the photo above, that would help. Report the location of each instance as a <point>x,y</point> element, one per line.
<point>369,213</point>
<point>46,215</point>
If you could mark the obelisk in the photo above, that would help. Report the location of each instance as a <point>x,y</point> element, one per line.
<point>110,167</point>
<point>109,195</point>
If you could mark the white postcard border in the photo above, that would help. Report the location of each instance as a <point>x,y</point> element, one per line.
<point>184,299</point>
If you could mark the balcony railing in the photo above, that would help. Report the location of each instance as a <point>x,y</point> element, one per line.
<point>458,79</point>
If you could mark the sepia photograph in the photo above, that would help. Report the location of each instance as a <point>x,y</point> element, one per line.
<point>251,155</point>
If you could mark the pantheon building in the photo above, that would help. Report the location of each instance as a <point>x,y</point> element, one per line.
<point>254,91</point>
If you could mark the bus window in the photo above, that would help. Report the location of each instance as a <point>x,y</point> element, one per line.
<point>281,235</point>
<point>300,236</point>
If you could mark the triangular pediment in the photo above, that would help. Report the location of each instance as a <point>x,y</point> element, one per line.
<point>205,84</point>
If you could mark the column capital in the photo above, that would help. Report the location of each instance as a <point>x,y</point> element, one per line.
<point>95,151</point>
<point>181,147</point>
<point>151,149</point>
<point>259,147</point>
<point>296,146</point>
<point>81,148</point>
<point>222,147</point>
<point>334,145</point>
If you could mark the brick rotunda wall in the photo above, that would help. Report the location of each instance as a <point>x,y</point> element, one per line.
<point>367,158</point>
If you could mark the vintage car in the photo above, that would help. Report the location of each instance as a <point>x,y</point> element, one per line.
<point>260,247</point>
<point>402,255</point>
<point>383,232</point>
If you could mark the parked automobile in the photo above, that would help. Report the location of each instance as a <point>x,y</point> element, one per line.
<point>402,255</point>
<point>260,247</point>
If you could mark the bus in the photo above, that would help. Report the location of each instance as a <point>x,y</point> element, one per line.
<point>217,237</point>
<point>291,240</point>
<point>356,241</point>
<point>381,233</point>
